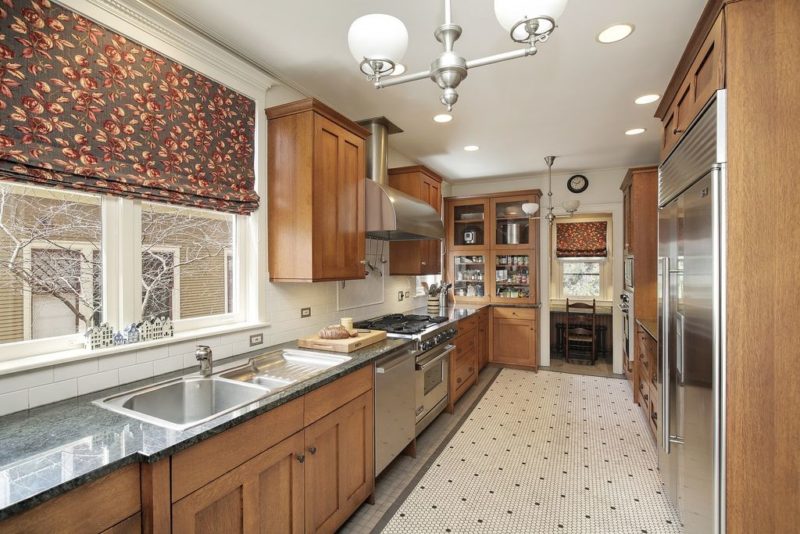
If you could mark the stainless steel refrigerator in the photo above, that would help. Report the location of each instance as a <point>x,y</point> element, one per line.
<point>691,248</point>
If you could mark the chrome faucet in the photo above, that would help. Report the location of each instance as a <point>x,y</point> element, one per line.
<point>204,355</point>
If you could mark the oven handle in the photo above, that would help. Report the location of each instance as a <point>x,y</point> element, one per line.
<point>430,362</point>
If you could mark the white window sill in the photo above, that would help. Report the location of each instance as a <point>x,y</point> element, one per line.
<point>56,358</point>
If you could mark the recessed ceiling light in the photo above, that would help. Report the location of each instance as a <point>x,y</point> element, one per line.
<point>471,148</point>
<point>443,117</point>
<point>615,33</point>
<point>398,69</point>
<point>635,131</point>
<point>647,99</point>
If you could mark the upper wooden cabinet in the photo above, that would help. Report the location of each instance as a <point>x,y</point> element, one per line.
<point>705,75</point>
<point>417,257</point>
<point>640,229</point>
<point>493,248</point>
<point>316,175</point>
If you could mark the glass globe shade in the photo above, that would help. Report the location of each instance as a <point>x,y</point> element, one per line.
<point>571,205</point>
<point>378,36</point>
<point>530,208</point>
<point>510,12</point>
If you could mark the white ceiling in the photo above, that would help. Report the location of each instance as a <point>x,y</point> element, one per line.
<point>574,99</point>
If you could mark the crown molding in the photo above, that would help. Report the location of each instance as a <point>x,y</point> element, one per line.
<point>155,28</point>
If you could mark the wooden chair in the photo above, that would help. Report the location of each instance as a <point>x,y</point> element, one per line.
<point>579,333</point>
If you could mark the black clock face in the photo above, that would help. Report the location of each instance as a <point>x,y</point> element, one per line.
<point>577,183</point>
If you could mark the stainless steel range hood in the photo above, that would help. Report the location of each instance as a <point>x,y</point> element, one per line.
<point>392,215</point>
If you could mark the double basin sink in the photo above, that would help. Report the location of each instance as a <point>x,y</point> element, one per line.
<point>187,401</point>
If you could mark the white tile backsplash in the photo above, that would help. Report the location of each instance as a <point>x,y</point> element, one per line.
<point>20,391</point>
<point>97,381</point>
<point>13,402</point>
<point>53,392</point>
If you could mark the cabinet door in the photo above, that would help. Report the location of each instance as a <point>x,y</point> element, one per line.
<point>469,274</point>
<point>627,220</point>
<point>514,278</point>
<point>434,246</point>
<point>417,257</point>
<point>468,224</point>
<point>339,468</point>
<point>483,340</point>
<point>264,494</point>
<point>511,227</point>
<point>338,205</point>
<point>514,341</point>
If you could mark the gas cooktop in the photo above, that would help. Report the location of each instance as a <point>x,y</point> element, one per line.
<point>397,323</point>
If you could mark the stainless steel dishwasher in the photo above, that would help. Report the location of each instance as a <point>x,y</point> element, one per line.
<point>394,406</point>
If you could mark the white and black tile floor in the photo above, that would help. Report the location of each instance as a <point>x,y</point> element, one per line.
<point>541,452</point>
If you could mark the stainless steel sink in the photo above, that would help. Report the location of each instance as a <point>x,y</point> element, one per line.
<point>188,401</point>
<point>185,402</point>
<point>282,368</point>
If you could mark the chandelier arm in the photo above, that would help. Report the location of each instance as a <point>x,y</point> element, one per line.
<point>505,56</point>
<point>388,81</point>
<point>447,12</point>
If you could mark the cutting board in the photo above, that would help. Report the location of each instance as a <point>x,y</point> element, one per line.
<point>342,345</point>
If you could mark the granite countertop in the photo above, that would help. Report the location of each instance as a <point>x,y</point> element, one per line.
<point>52,449</point>
<point>650,326</point>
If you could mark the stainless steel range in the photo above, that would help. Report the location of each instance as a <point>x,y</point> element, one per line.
<point>431,346</point>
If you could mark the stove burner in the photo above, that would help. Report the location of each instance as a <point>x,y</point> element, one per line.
<point>398,323</point>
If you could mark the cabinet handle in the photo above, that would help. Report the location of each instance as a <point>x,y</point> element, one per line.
<point>312,450</point>
<point>300,457</point>
<point>424,263</point>
<point>677,131</point>
<point>363,262</point>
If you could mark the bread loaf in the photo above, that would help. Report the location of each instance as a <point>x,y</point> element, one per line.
<point>334,331</point>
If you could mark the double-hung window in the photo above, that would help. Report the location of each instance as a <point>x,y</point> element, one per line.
<point>581,267</point>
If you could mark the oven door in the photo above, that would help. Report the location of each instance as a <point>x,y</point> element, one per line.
<point>431,378</point>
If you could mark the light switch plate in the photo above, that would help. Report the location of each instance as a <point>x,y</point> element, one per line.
<point>400,296</point>
<point>305,312</point>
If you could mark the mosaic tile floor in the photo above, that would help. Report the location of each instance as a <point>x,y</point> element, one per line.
<point>541,453</point>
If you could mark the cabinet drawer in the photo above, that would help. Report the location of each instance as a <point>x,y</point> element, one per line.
<point>464,370</point>
<point>468,323</point>
<point>326,399</point>
<point>514,313</point>
<point>644,389</point>
<point>465,344</point>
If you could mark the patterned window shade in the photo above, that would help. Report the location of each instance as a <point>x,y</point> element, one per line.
<point>82,107</point>
<point>581,240</point>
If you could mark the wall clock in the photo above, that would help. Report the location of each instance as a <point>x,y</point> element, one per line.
<point>578,183</point>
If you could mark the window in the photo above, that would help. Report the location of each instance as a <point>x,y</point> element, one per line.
<point>581,278</point>
<point>186,262</point>
<point>428,279</point>
<point>50,268</point>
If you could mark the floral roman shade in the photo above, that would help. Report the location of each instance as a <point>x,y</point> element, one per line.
<point>85,108</point>
<point>581,240</point>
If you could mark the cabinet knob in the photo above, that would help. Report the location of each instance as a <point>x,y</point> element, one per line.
<point>363,262</point>
<point>677,131</point>
<point>312,450</point>
<point>458,380</point>
<point>300,457</point>
<point>424,263</point>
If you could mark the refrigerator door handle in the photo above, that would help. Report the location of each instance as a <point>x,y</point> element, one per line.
<point>664,340</point>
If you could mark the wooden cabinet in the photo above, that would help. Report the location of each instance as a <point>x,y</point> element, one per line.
<point>514,339</point>
<point>109,504</point>
<point>264,494</point>
<point>645,377</point>
<point>339,467</point>
<point>493,248</point>
<point>316,170</point>
<point>482,337</point>
<point>705,75</point>
<point>464,360</point>
<point>417,257</point>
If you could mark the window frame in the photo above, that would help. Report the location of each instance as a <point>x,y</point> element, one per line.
<point>606,264</point>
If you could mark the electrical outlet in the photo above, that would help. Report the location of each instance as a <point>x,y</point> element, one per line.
<point>256,339</point>
<point>408,294</point>
<point>400,296</point>
<point>305,312</point>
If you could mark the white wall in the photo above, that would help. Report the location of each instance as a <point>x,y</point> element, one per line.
<point>602,196</point>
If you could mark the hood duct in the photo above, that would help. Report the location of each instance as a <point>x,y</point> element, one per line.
<point>392,215</point>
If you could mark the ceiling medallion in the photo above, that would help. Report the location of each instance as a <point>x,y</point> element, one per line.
<point>378,43</point>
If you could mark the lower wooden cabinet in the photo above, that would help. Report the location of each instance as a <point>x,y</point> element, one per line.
<point>514,339</point>
<point>482,337</point>
<point>463,360</point>
<point>645,378</point>
<point>339,462</point>
<point>264,494</point>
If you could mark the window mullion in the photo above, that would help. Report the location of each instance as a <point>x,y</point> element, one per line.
<point>129,272</point>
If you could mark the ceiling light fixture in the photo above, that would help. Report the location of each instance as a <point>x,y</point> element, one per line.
<point>443,117</point>
<point>471,148</point>
<point>615,33</point>
<point>647,99</point>
<point>635,131</point>
<point>378,43</point>
<point>570,206</point>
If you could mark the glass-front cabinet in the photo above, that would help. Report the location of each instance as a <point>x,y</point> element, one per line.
<point>492,248</point>
<point>469,224</point>
<point>514,280</point>
<point>469,280</point>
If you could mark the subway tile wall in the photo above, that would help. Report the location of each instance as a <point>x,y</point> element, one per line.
<point>29,389</point>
